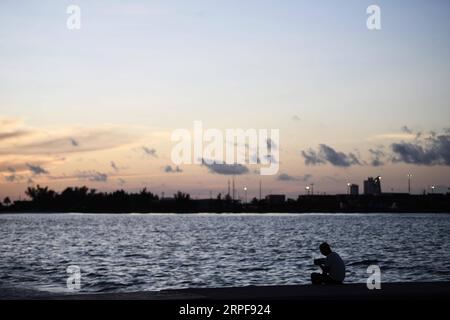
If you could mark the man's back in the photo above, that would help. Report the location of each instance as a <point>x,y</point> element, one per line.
<point>336,266</point>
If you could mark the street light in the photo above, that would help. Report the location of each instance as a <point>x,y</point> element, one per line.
<point>245,190</point>
<point>307,189</point>
<point>432,189</point>
<point>348,187</point>
<point>409,182</point>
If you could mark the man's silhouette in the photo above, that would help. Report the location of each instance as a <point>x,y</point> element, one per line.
<point>333,267</point>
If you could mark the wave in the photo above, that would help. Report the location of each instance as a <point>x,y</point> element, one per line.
<point>367,262</point>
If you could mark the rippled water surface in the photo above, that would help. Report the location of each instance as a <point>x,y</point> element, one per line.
<point>153,252</point>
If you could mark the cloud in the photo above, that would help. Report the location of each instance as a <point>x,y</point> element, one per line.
<point>418,135</point>
<point>18,178</point>
<point>405,129</point>
<point>312,157</point>
<point>295,117</point>
<point>150,152</point>
<point>376,157</point>
<point>18,139</point>
<point>225,169</point>
<point>20,163</point>
<point>74,142</point>
<point>13,178</point>
<point>8,123</point>
<point>327,154</point>
<point>169,169</point>
<point>121,181</point>
<point>88,140</point>
<point>11,128</point>
<point>432,150</point>
<point>392,136</point>
<point>114,166</point>
<point>287,177</point>
<point>94,176</point>
<point>420,149</point>
<point>377,163</point>
<point>36,169</point>
<point>14,134</point>
<point>337,158</point>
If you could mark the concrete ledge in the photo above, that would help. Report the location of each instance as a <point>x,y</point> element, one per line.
<point>388,291</point>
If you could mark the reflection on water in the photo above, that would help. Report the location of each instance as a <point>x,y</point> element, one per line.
<point>153,252</point>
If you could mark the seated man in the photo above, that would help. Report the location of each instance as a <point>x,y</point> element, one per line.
<point>333,267</point>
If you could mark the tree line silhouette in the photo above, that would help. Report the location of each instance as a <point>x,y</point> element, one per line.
<point>84,199</point>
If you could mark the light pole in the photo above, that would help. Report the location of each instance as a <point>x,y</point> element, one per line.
<point>378,180</point>
<point>432,189</point>
<point>409,182</point>
<point>245,191</point>
<point>348,187</point>
<point>307,190</point>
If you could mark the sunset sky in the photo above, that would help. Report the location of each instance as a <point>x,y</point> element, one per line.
<point>97,106</point>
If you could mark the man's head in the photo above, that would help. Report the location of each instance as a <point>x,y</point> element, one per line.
<point>325,249</point>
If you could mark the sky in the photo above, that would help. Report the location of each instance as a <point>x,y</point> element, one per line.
<point>97,106</point>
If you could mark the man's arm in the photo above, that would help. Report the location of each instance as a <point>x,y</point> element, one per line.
<point>319,262</point>
<point>322,263</point>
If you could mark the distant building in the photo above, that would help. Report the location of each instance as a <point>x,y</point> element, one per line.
<point>372,186</point>
<point>276,198</point>
<point>354,189</point>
